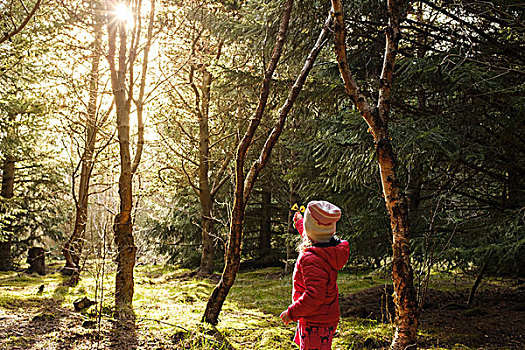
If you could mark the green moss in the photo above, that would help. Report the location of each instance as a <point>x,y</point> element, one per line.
<point>169,306</point>
<point>358,334</point>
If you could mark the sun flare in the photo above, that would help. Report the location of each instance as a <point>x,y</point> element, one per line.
<point>123,13</point>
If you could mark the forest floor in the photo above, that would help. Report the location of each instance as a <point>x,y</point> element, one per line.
<point>36,312</point>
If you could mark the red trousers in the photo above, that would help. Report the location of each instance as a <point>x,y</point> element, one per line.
<point>314,337</point>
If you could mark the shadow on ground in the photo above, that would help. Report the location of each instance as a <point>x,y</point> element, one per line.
<point>124,335</point>
<point>494,321</point>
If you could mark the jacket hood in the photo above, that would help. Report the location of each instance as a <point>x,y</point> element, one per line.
<point>335,253</point>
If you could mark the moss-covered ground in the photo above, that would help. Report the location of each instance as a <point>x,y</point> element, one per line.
<point>36,312</point>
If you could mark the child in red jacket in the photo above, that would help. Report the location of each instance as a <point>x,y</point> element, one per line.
<point>315,294</point>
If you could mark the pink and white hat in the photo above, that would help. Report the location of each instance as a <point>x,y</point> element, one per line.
<point>319,220</point>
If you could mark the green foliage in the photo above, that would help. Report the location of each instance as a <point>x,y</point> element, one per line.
<point>456,126</point>
<point>38,209</point>
<point>175,232</point>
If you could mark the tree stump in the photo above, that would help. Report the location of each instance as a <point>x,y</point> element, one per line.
<point>83,303</point>
<point>37,260</point>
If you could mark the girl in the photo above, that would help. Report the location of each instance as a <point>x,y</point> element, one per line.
<point>315,295</point>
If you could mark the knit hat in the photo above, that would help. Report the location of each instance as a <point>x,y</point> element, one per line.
<point>319,220</point>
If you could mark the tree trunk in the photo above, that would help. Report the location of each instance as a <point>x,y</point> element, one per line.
<point>402,275</point>
<point>233,251</point>
<point>37,260</point>
<point>126,249</point>
<point>293,198</point>
<point>123,96</point>
<point>265,234</point>
<point>479,277</point>
<point>123,227</point>
<point>244,185</point>
<point>396,204</point>
<point>8,180</point>
<point>73,248</point>
<point>206,199</point>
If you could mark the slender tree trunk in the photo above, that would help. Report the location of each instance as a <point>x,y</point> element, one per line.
<point>402,275</point>
<point>396,204</point>
<point>126,249</point>
<point>123,227</point>
<point>293,198</point>
<point>265,233</point>
<point>244,184</point>
<point>233,251</point>
<point>207,255</point>
<point>123,96</point>
<point>8,180</point>
<point>73,248</point>
<point>479,277</point>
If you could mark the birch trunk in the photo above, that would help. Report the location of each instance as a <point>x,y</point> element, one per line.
<point>396,204</point>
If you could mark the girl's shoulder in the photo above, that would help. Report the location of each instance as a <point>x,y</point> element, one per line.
<point>333,254</point>
<point>309,257</point>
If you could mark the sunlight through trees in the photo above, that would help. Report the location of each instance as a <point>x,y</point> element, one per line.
<point>139,138</point>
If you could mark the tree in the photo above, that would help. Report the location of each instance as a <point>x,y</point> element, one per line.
<point>32,178</point>
<point>32,202</point>
<point>72,250</point>
<point>244,182</point>
<point>377,119</point>
<point>468,113</point>
<point>204,53</point>
<point>123,87</point>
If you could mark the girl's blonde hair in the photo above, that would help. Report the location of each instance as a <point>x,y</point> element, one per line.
<point>304,243</point>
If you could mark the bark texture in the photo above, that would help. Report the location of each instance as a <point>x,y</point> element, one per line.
<point>72,250</point>
<point>244,184</point>
<point>396,204</point>
<point>8,181</point>
<point>123,226</point>
<point>121,69</point>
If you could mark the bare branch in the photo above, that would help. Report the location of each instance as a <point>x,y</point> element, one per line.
<point>140,102</point>
<point>260,163</point>
<point>195,188</point>
<point>351,88</point>
<point>23,24</point>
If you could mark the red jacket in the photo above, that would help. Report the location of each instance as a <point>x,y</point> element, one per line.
<point>315,294</point>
